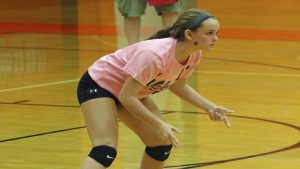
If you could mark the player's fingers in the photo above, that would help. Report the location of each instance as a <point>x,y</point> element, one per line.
<point>229,111</point>
<point>213,115</point>
<point>176,129</point>
<point>226,121</point>
<point>219,116</point>
<point>175,141</point>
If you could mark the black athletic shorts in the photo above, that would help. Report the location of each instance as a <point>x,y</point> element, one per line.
<point>88,89</point>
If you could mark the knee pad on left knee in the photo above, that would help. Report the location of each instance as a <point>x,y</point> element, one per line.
<point>159,153</point>
<point>104,155</point>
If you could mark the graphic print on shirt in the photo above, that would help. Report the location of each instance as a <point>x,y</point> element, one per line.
<point>157,86</point>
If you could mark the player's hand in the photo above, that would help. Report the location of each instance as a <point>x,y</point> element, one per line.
<point>168,135</point>
<point>220,114</point>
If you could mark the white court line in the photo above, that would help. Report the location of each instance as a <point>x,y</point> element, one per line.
<point>248,74</point>
<point>207,72</point>
<point>38,85</point>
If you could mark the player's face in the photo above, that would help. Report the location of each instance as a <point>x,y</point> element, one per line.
<point>206,35</point>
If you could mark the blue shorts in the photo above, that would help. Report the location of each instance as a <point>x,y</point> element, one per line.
<point>88,89</point>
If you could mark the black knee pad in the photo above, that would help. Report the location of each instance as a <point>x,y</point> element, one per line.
<point>159,153</point>
<point>104,155</point>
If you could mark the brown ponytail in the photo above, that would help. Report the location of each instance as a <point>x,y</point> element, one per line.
<point>191,19</point>
<point>163,33</point>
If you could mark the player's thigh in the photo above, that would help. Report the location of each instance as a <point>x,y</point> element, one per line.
<point>149,135</point>
<point>101,121</point>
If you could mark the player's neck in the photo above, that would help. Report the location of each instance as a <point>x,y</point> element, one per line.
<point>182,52</point>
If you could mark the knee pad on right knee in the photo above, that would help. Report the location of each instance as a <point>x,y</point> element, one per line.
<point>159,153</point>
<point>104,155</point>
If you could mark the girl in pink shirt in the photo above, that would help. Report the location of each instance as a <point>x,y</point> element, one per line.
<point>118,85</point>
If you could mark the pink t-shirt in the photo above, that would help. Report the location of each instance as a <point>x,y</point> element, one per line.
<point>152,63</point>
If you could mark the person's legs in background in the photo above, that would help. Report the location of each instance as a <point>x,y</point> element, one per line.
<point>132,10</point>
<point>132,26</point>
<point>168,18</point>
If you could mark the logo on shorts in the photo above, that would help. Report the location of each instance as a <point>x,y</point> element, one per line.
<point>93,91</point>
<point>108,156</point>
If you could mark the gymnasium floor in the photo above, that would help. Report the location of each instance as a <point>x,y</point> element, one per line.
<point>254,70</point>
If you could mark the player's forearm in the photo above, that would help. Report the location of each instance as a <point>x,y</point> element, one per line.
<point>188,94</point>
